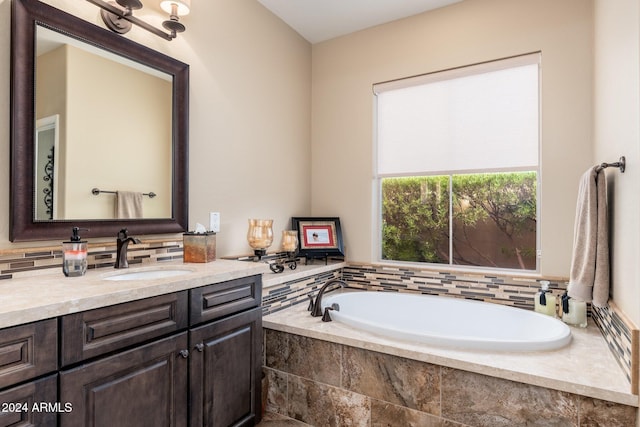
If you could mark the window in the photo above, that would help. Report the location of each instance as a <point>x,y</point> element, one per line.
<point>457,165</point>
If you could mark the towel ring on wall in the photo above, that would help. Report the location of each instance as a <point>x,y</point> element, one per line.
<point>621,164</point>
<point>96,191</point>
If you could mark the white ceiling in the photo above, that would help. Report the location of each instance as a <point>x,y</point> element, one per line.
<point>319,20</point>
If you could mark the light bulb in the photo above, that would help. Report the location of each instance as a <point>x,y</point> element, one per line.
<point>183,6</point>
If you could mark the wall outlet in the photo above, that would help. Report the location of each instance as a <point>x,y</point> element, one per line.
<point>214,221</point>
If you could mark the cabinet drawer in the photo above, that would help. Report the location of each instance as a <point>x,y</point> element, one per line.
<point>27,351</point>
<point>95,332</point>
<point>32,404</point>
<point>222,299</point>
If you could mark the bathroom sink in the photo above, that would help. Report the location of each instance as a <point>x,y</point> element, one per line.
<point>148,274</point>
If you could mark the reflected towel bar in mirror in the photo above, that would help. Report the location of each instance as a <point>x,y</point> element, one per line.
<point>96,191</point>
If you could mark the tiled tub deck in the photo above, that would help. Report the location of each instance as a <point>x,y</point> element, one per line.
<point>327,374</point>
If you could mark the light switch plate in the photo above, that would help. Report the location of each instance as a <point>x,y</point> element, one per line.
<point>214,221</point>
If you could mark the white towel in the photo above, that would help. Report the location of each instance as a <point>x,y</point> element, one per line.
<point>128,204</point>
<point>589,279</point>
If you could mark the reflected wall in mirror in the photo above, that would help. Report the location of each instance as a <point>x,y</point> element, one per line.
<point>105,113</point>
<point>114,130</point>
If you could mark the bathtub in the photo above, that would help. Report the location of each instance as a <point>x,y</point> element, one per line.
<point>448,322</point>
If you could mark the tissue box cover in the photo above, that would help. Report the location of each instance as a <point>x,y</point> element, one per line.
<point>199,247</point>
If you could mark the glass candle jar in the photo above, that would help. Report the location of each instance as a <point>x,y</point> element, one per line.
<point>260,235</point>
<point>289,240</point>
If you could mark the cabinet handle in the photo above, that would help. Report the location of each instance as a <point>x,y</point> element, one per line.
<point>200,347</point>
<point>184,353</point>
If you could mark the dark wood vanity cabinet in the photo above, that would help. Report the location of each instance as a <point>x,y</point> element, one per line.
<point>190,358</point>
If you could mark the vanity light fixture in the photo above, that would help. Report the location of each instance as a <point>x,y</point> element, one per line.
<point>118,16</point>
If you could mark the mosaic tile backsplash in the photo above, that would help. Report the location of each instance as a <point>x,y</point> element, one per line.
<point>622,339</point>
<point>32,262</point>
<point>514,291</point>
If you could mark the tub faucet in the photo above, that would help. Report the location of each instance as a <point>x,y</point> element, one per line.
<point>316,307</point>
<point>122,243</point>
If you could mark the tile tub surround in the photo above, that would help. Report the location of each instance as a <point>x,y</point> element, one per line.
<point>346,385</point>
<point>329,374</point>
<point>516,290</point>
<point>290,288</point>
<point>622,338</point>
<point>586,367</point>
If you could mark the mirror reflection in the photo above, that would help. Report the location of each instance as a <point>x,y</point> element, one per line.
<point>103,122</point>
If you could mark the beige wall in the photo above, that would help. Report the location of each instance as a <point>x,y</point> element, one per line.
<point>345,69</point>
<point>249,113</point>
<point>616,133</point>
<point>132,106</point>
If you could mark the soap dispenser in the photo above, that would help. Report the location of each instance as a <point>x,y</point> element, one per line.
<point>545,301</point>
<point>574,312</point>
<point>74,255</point>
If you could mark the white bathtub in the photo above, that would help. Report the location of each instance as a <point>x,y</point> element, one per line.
<point>449,322</point>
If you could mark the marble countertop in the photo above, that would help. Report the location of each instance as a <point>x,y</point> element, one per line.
<point>585,367</point>
<point>49,295</point>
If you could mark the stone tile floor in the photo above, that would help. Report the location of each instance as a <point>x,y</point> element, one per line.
<point>276,420</point>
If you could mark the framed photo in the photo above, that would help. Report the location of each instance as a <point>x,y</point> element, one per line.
<point>318,237</point>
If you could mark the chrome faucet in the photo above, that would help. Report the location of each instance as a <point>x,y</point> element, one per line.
<point>316,307</point>
<point>122,246</point>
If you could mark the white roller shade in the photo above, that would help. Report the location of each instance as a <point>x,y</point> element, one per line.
<point>482,117</point>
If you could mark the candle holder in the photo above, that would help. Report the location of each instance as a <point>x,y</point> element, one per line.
<point>260,236</point>
<point>289,247</point>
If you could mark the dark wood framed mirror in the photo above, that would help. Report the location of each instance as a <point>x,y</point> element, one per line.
<point>28,18</point>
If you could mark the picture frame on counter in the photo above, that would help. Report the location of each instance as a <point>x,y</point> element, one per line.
<point>318,237</point>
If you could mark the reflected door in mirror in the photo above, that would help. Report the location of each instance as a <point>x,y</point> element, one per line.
<point>45,166</point>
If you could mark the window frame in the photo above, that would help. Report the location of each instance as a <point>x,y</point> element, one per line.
<point>494,65</point>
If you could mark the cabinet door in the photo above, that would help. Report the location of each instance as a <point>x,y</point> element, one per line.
<point>225,371</point>
<point>32,404</point>
<point>144,386</point>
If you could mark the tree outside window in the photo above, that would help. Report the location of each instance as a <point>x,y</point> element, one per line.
<point>486,219</point>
